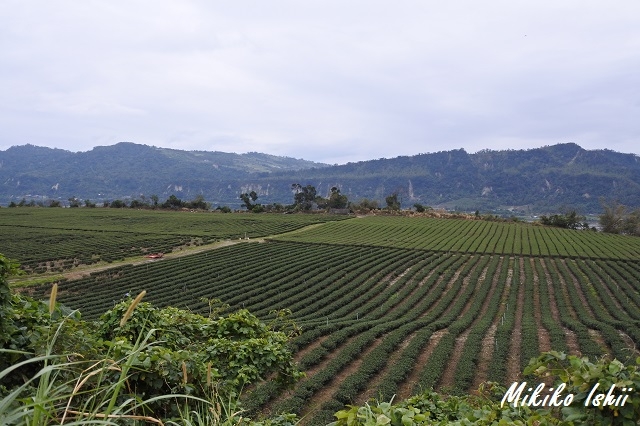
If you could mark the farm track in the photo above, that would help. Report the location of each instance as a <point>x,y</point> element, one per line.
<point>595,335</point>
<point>578,288</point>
<point>565,294</point>
<point>609,293</point>
<point>447,289</point>
<point>484,358</point>
<point>410,295</point>
<point>312,371</point>
<point>82,271</point>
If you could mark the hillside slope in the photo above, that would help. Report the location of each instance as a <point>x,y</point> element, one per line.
<point>537,180</point>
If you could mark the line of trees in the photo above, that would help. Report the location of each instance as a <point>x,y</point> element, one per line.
<point>568,220</point>
<point>33,203</point>
<point>305,198</point>
<point>171,203</point>
<point>617,219</point>
<point>152,202</point>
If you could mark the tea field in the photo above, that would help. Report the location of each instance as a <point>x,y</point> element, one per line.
<point>473,236</point>
<point>392,305</point>
<point>55,239</point>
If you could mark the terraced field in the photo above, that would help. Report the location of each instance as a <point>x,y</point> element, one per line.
<point>46,239</point>
<point>395,305</point>
<point>473,236</point>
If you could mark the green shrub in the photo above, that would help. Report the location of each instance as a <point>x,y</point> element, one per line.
<point>137,360</point>
<point>488,406</point>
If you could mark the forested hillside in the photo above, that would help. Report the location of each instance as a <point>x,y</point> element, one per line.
<point>538,180</point>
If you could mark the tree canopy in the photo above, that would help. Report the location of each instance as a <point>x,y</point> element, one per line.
<point>248,199</point>
<point>393,203</point>
<point>616,219</point>
<point>303,196</point>
<point>337,200</point>
<point>569,220</point>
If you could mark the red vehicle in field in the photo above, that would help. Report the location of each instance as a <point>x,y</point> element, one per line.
<point>154,256</point>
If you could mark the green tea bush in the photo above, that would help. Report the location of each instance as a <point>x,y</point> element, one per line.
<point>135,361</point>
<point>488,407</point>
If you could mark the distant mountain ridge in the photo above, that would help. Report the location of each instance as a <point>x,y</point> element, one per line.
<point>539,180</point>
<point>126,170</point>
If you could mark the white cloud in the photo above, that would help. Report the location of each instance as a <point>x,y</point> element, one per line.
<point>324,80</point>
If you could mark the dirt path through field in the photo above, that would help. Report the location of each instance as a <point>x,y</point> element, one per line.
<point>609,291</point>
<point>409,297</point>
<point>86,270</point>
<point>372,386</point>
<point>449,286</point>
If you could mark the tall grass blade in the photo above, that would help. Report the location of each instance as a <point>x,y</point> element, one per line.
<point>132,307</point>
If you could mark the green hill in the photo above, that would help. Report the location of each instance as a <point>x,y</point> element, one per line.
<point>537,180</point>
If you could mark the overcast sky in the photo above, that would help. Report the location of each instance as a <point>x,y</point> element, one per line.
<point>329,81</point>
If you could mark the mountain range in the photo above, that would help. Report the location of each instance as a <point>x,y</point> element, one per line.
<point>536,180</point>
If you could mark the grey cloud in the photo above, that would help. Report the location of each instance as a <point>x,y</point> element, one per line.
<point>332,80</point>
